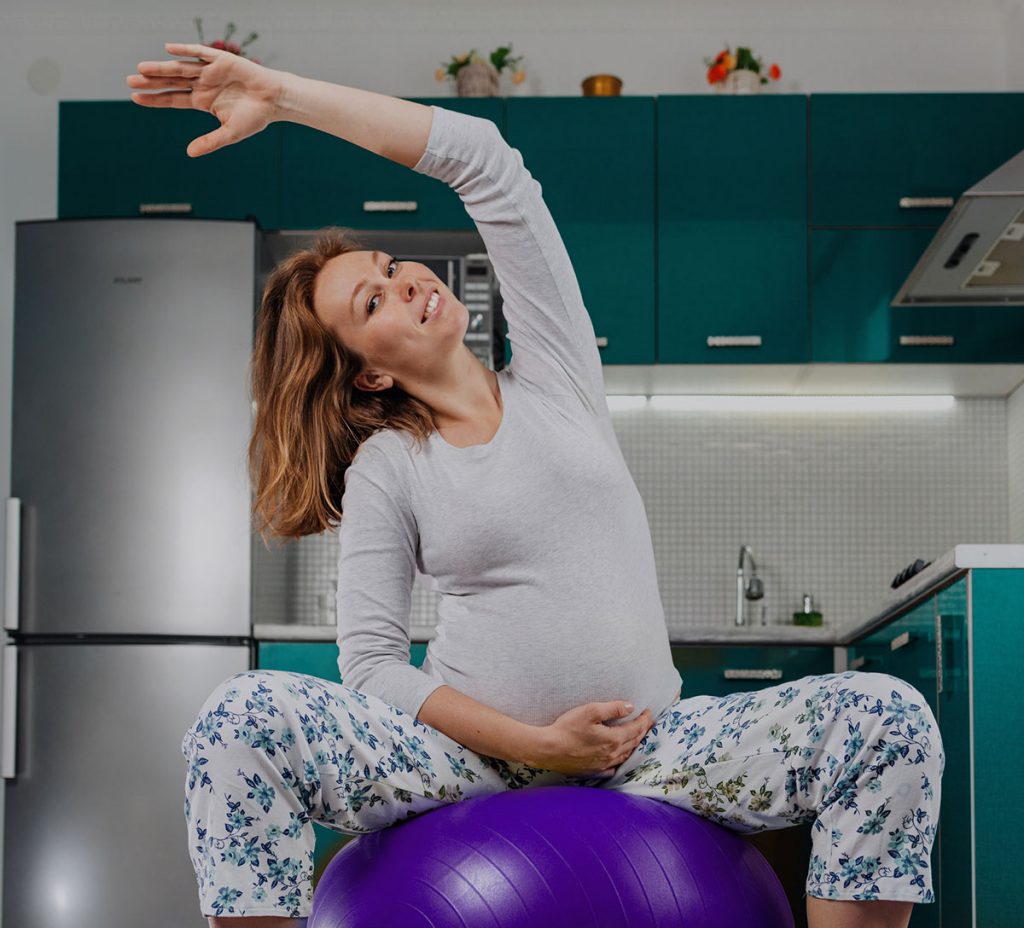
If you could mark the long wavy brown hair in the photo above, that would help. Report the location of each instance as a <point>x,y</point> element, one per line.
<point>309,417</point>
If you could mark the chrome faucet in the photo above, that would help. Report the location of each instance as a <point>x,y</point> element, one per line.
<point>753,590</point>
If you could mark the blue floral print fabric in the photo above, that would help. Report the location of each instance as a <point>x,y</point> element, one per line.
<point>857,754</point>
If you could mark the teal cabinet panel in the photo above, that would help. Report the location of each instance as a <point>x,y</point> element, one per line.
<point>954,714</point>
<point>997,638</point>
<point>327,180</point>
<point>855,273</point>
<point>869,150</point>
<point>594,160</point>
<point>912,651</point>
<point>719,670</point>
<point>316,658</point>
<point>732,229</point>
<point>118,159</point>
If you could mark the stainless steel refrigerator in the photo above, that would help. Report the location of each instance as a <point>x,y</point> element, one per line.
<point>128,551</point>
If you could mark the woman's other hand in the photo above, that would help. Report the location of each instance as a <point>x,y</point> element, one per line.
<point>578,743</point>
<point>243,95</point>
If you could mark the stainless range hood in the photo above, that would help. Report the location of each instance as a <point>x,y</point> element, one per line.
<point>977,255</point>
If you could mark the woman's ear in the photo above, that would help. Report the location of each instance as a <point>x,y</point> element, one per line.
<point>372,381</point>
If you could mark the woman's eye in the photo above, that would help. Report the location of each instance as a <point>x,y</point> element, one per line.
<point>369,310</point>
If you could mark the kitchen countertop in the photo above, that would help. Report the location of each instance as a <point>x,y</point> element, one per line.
<point>954,562</point>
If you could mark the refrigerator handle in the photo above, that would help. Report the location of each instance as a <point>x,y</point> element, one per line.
<point>12,563</point>
<point>9,712</point>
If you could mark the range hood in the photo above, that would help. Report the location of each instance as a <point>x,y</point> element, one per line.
<point>977,255</point>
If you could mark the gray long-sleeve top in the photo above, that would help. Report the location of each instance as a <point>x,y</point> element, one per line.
<point>537,540</point>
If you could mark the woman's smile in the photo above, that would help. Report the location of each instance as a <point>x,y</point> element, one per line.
<point>433,314</point>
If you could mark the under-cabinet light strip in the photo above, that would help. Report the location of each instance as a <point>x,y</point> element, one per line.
<point>769,403</point>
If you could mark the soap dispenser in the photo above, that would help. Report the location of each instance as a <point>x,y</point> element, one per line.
<point>809,616</point>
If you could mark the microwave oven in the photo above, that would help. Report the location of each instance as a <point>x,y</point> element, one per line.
<point>456,256</point>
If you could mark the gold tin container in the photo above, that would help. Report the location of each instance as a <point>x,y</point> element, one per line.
<point>601,85</point>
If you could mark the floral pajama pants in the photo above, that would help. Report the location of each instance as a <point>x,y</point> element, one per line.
<point>858,754</point>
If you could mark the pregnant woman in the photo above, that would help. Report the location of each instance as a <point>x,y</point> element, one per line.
<point>551,663</point>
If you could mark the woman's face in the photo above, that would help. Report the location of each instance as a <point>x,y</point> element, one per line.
<point>375,305</point>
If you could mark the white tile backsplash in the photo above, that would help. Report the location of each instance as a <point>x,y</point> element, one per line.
<point>833,504</point>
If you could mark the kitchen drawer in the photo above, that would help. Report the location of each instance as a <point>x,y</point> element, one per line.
<point>718,670</point>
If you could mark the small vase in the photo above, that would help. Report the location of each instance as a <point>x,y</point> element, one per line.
<point>742,80</point>
<point>477,79</point>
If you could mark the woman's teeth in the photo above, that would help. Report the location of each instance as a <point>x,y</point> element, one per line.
<point>431,306</point>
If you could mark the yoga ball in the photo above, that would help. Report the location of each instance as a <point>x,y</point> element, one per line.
<point>550,857</point>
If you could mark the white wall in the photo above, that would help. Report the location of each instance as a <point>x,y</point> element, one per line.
<point>53,50</point>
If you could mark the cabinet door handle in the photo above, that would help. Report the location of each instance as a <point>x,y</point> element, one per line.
<point>900,641</point>
<point>912,340</point>
<point>390,206</point>
<point>734,341</point>
<point>858,662</point>
<point>770,673</point>
<point>146,209</point>
<point>602,341</point>
<point>925,202</point>
<point>12,564</point>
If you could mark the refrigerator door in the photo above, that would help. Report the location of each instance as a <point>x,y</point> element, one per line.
<point>94,831</point>
<point>131,420</point>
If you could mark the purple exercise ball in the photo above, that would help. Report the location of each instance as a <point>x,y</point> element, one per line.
<point>550,857</point>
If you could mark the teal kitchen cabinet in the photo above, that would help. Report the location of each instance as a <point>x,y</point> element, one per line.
<point>732,229</point>
<point>318,659</point>
<point>117,159</point>
<point>327,180</point>
<point>717,670</point>
<point>855,273</point>
<point>594,159</point>
<point>878,159</point>
<point>962,647</point>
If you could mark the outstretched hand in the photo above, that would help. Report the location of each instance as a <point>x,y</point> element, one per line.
<point>243,95</point>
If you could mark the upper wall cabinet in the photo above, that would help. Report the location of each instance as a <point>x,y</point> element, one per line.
<point>732,229</point>
<point>118,159</point>
<point>594,160</point>
<point>882,159</point>
<point>327,180</point>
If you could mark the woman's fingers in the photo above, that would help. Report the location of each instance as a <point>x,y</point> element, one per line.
<point>193,49</point>
<point>171,68</point>
<point>155,83</point>
<point>176,99</point>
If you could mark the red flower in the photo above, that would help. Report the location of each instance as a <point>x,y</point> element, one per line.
<point>717,73</point>
<point>775,72</point>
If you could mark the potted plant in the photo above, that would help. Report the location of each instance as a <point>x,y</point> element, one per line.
<point>739,73</point>
<point>476,76</point>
